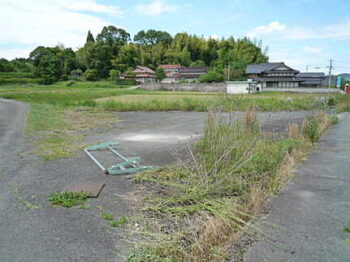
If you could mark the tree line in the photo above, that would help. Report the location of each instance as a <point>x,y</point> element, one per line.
<point>113,49</point>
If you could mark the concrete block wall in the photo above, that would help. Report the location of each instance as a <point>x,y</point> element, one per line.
<point>187,87</point>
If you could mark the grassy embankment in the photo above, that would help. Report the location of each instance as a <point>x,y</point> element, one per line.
<point>195,212</point>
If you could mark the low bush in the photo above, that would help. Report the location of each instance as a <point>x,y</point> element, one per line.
<point>91,75</point>
<point>7,80</point>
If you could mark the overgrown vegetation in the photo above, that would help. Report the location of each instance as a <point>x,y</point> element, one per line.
<point>195,211</point>
<point>54,128</point>
<point>68,199</point>
<point>165,101</point>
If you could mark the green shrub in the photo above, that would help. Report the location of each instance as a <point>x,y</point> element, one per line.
<point>4,80</point>
<point>211,77</point>
<point>91,75</point>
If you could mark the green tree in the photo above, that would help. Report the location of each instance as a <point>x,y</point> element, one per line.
<point>113,36</point>
<point>114,75</point>
<point>47,64</point>
<point>160,74</point>
<point>185,57</point>
<point>152,37</point>
<point>198,63</point>
<point>5,65</point>
<point>90,38</point>
<point>211,77</point>
<point>91,75</point>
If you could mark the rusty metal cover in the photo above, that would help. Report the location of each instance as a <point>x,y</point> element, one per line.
<point>93,188</point>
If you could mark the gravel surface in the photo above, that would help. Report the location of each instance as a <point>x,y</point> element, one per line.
<point>32,230</point>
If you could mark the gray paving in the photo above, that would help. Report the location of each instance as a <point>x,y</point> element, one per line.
<point>313,210</point>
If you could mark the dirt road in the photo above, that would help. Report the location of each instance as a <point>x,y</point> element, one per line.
<point>32,230</point>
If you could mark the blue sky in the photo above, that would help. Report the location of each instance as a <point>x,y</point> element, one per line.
<point>298,32</point>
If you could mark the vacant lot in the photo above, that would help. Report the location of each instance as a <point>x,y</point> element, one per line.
<point>31,226</point>
<point>64,117</point>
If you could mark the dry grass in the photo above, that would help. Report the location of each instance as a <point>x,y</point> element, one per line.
<point>145,98</point>
<point>85,118</point>
<point>55,128</point>
<point>293,131</point>
<point>196,212</point>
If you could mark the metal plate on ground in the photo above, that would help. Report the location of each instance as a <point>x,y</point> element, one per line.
<point>93,188</point>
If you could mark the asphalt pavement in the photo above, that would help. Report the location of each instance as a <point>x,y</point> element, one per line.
<point>309,215</point>
<point>32,230</point>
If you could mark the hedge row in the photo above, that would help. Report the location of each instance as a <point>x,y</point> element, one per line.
<point>20,80</point>
<point>16,75</point>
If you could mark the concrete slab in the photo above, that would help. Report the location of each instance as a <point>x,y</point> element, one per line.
<point>313,209</point>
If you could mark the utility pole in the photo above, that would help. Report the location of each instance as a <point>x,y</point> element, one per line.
<point>307,68</point>
<point>228,71</point>
<point>330,72</point>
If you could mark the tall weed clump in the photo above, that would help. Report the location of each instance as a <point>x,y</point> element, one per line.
<point>315,125</point>
<point>194,212</point>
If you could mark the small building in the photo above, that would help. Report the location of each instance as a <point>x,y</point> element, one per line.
<point>144,74</point>
<point>171,72</point>
<point>191,73</point>
<point>242,87</point>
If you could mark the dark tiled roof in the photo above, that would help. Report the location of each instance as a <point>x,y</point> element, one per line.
<point>311,74</point>
<point>264,67</point>
<point>259,68</point>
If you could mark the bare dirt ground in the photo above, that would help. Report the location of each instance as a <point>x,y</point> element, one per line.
<point>32,230</point>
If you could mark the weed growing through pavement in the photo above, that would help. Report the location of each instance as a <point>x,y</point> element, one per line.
<point>194,212</point>
<point>112,221</point>
<point>23,202</point>
<point>68,199</point>
<point>347,228</point>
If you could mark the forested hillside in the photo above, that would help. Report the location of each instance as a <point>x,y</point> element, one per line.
<point>113,48</point>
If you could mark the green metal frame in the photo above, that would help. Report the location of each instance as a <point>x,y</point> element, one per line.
<point>128,166</point>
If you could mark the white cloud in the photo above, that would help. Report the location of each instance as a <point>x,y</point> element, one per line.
<point>298,59</point>
<point>155,8</point>
<point>332,31</point>
<point>38,22</point>
<point>10,53</point>
<point>313,49</point>
<point>92,6</point>
<point>271,28</point>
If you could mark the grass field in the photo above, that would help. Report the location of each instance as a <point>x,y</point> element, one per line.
<point>64,107</point>
<point>111,97</point>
